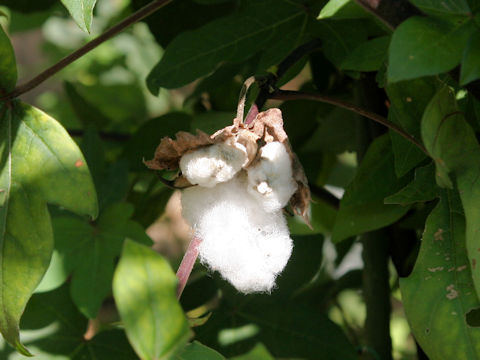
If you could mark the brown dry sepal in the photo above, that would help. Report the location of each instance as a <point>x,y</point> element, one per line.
<point>168,153</point>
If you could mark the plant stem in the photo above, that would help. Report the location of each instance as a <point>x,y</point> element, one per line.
<point>186,266</point>
<point>114,30</point>
<point>376,291</point>
<point>296,95</point>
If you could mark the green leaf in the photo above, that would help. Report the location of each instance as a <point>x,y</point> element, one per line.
<point>439,292</point>
<point>81,11</point>
<point>443,8</point>
<point>470,70</point>
<point>408,100</point>
<point>89,251</point>
<point>40,163</point>
<point>338,38</point>
<point>421,189</point>
<point>144,289</point>
<point>88,114</point>
<point>341,9</point>
<point>197,351</point>
<point>143,143</point>
<point>65,329</point>
<point>362,207</point>
<point>28,6</point>
<point>423,46</point>
<point>287,330</point>
<point>454,147</point>
<point>165,25</point>
<point>259,352</point>
<point>230,39</point>
<point>8,65</point>
<point>368,56</point>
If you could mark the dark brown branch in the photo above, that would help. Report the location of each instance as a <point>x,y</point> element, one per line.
<point>268,83</point>
<point>297,95</point>
<point>325,195</point>
<point>116,29</point>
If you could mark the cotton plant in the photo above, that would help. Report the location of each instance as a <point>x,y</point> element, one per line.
<point>236,184</point>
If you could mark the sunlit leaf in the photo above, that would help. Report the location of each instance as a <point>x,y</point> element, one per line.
<point>144,289</point>
<point>197,351</point>
<point>40,164</point>
<point>81,11</point>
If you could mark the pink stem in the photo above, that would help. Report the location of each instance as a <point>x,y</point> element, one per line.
<point>186,266</point>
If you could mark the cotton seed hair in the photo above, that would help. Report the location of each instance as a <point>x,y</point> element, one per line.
<point>234,195</point>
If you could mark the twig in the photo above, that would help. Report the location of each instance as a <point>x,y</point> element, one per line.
<point>186,266</point>
<point>297,95</point>
<point>122,25</point>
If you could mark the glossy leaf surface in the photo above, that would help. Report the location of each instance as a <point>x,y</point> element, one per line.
<point>40,164</point>
<point>144,288</point>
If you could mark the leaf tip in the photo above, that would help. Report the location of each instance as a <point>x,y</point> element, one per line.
<point>22,349</point>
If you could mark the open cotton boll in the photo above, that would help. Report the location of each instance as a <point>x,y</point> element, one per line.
<point>213,164</point>
<point>246,245</point>
<point>270,180</point>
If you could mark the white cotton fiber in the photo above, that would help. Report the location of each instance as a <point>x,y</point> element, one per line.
<point>270,180</point>
<point>213,164</point>
<point>247,245</point>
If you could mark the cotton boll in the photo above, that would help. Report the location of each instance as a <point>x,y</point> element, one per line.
<point>213,164</point>
<point>271,181</point>
<point>246,245</point>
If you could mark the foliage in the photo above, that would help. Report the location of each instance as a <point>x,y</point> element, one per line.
<point>383,112</point>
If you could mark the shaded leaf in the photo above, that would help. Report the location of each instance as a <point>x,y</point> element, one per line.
<point>197,351</point>
<point>368,56</point>
<point>8,66</point>
<point>89,252</point>
<point>408,100</point>
<point>362,207</point>
<point>144,289</point>
<point>165,23</point>
<point>421,189</point>
<point>28,6</point>
<point>55,312</point>
<point>439,292</point>
<point>454,147</point>
<point>444,7</point>
<point>81,11</point>
<point>341,9</point>
<point>259,352</point>
<point>470,69</point>
<point>143,143</point>
<point>423,46</point>
<point>230,39</point>
<point>40,163</point>
<point>338,39</point>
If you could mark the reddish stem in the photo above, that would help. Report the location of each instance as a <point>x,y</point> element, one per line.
<point>186,266</point>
